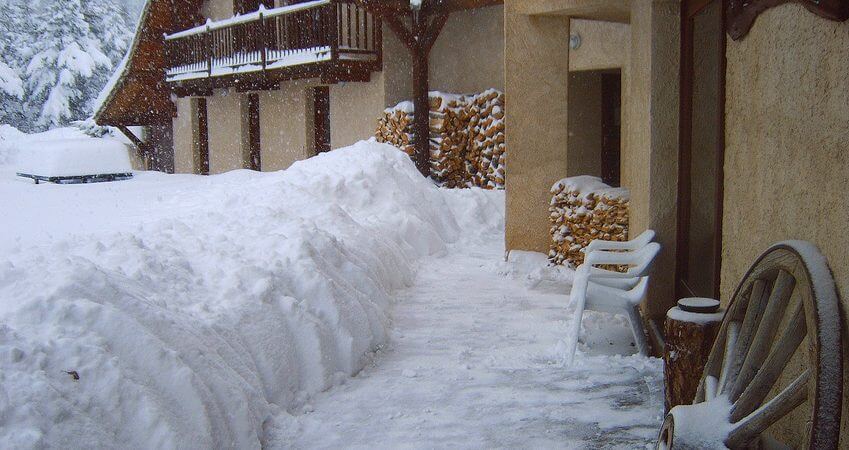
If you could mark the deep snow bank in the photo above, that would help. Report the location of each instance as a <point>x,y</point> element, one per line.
<point>238,297</point>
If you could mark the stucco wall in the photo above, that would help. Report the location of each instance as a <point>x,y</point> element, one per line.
<point>787,153</point>
<point>604,45</point>
<point>283,125</point>
<point>217,9</point>
<point>354,110</point>
<point>468,56</point>
<point>649,159</point>
<point>537,78</point>
<point>184,125</point>
<point>225,131</point>
<point>585,138</point>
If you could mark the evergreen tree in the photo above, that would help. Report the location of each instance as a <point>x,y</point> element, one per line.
<point>11,84</point>
<point>61,76</point>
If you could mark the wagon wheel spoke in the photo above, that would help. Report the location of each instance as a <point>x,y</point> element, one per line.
<point>782,290</point>
<point>782,404</point>
<point>730,345</point>
<point>768,374</point>
<point>711,384</point>
<point>751,320</point>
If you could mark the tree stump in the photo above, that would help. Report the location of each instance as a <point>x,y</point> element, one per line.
<point>690,328</point>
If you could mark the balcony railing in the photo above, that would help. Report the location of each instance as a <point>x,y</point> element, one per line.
<point>269,39</point>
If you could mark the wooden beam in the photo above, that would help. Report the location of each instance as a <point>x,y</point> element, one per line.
<point>438,7</point>
<point>432,32</point>
<point>141,147</point>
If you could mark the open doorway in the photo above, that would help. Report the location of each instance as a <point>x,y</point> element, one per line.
<point>595,124</point>
<point>321,119</point>
<point>701,158</point>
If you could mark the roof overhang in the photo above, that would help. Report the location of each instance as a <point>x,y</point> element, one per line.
<point>606,10</point>
<point>429,7</point>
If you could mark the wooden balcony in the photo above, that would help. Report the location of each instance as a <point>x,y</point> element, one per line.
<point>334,40</point>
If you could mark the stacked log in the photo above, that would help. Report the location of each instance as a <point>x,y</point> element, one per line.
<point>467,142</point>
<point>396,128</point>
<point>584,209</point>
<point>486,155</point>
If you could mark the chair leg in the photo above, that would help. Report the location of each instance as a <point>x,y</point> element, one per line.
<point>638,330</point>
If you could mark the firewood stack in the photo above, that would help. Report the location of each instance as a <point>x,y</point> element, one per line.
<point>396,128</point>
<point>467,145</point>
<point>486,154</point>
<point>584,209</point>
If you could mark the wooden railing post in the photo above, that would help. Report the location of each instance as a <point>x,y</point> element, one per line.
<point>333,27</point>
<point>263,37</point>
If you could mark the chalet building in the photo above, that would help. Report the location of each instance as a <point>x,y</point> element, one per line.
<point>219,85</point>
<point>726,120</point>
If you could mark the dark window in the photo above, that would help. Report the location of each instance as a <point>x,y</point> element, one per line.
<point>248,6</point>
<point>611,127</point>
<point>253,155</point>
<point>321,96</point>
<point>201,156</point>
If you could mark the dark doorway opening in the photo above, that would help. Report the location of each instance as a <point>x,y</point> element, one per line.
<point>253,155</point>
<point>321,99</point>
<point>611,127</point>
<point>201,138</point>
<point>595,125</point>
<point>702,148</point>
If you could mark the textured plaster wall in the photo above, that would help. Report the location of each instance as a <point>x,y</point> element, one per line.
<point>787,152</point>
<point>604,45</point>
<point>184,125</point>
<point>217,9</point>
<point>283,125</point>
<point>397,70</point>
<point>585,138</point>
<point>537,78</point>
<point>225,131</point>
<point>468,56</point>
<point>650,154</point>
<point>354,110</point>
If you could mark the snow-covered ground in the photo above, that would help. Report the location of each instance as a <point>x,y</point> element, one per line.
<point>177,311</point>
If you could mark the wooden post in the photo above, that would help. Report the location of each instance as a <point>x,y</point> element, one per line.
<point>691,327</point>
<point>421,103</point>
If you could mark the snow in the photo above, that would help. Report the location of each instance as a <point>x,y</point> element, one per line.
<point>680,315</point>
<point>475,360</point>
<point>10,83</point>
<point>233,310</point>
<point>586,185</point>
<point>703,425</point>
<point>73,157</point>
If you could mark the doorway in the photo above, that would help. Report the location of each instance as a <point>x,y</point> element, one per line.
<point>321,108</point>
<point>252,154</point>
<point>702,148</point>
<point>200,160</point>
<point>595,125</point>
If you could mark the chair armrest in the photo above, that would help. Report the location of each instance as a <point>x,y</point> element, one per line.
<point>635,244</point>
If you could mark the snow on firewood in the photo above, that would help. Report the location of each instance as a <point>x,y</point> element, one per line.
<point>185,311</point>
<point>584,209</point>
<point>467,140</point>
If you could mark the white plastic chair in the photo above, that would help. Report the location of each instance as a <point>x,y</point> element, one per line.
<point>603,290</point>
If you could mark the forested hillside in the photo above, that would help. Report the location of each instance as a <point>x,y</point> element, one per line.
<point>57,56</point>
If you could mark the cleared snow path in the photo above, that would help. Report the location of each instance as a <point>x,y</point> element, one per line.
<point>473,362</point>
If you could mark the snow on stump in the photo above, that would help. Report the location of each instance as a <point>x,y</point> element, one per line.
<point>467,141</point>
<point>74,161</point>
<point>690,331</point>
<point>582,210</point>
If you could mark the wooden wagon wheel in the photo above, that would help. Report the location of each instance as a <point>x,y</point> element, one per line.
<point>776,365</point>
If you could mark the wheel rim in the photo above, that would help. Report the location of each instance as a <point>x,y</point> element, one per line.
<point>779,347</point>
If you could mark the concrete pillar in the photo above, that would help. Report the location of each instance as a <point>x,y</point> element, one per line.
<point>536,77</point>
